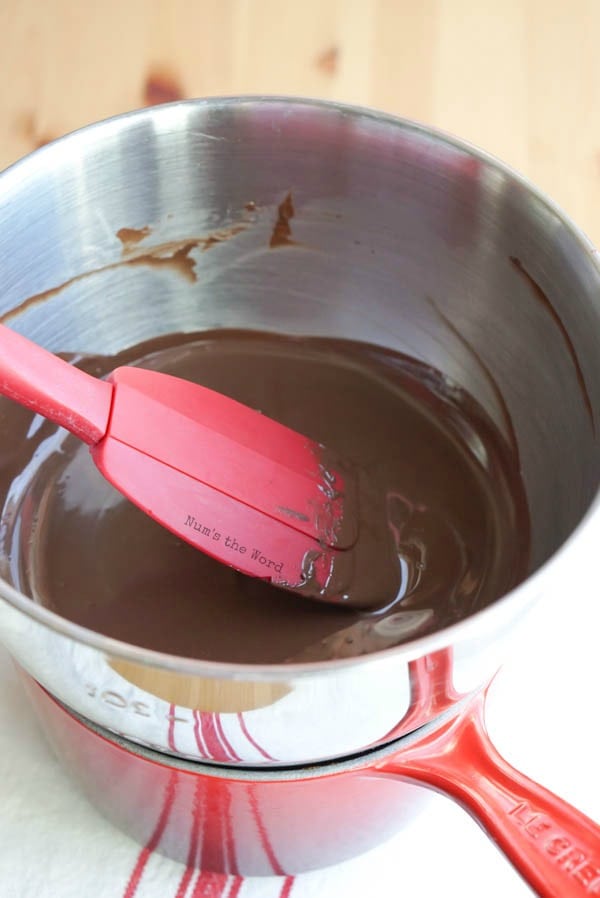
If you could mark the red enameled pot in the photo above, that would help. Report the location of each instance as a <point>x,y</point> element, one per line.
<point>281,821</point>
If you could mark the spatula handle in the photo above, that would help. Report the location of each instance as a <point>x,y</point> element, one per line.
<point>51,387</point>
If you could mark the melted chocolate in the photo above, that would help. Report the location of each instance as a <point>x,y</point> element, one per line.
<point>130,237</point>
<point>544,301</point>
<point>501,401</point>
<point>452,518</point>
<point>282,231</point>
<point>175,255</point>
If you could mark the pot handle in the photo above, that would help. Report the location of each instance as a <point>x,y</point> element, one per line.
<point>554,847</point>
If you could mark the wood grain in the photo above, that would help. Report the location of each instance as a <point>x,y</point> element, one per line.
<point>519,77</point>
<point>220,696</point>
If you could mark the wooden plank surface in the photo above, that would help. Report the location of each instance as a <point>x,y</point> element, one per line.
<point>518,77</point>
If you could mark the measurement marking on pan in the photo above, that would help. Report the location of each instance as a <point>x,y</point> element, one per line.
<point>176,718</point>
<point>118,701</point>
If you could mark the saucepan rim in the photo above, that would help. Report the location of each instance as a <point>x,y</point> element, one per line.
<point>363,760</point>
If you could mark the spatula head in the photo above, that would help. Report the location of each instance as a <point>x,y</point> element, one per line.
<point>232,482</point>
<point>238,451</point>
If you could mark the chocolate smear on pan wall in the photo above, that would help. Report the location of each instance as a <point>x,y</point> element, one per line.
<point>173,255</point>
<point>543,299</point>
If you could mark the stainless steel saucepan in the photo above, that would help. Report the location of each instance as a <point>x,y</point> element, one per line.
<point>389,216</point>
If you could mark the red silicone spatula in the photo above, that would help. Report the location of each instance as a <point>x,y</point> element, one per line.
<point>236,484</point>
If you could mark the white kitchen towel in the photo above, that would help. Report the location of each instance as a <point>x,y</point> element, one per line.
<point>542,715</point>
